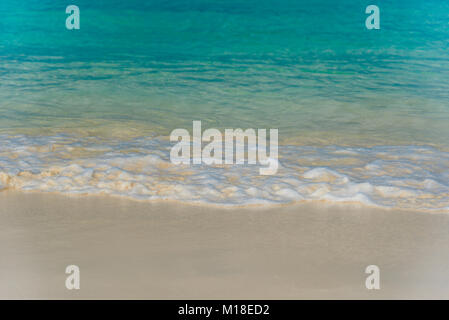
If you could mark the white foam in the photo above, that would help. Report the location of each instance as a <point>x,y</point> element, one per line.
<point>405,177</point>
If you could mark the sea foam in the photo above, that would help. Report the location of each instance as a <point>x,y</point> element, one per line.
<point>409,177</point>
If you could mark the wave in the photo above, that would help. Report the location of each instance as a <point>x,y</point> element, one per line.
<point>409,177</point>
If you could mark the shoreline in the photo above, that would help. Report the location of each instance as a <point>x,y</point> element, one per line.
<point>320,203</point>
<point>412,178</point>
<point>140,250</point>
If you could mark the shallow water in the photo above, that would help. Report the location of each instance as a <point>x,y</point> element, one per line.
<point>137,70</point>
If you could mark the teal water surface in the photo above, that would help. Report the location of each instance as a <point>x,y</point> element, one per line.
<point>309,68</point>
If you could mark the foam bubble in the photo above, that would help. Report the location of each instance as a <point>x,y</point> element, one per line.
<point>387,176</point>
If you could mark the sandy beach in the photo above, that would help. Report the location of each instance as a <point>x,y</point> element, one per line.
<point>139,250</point>
<point>230,149</point>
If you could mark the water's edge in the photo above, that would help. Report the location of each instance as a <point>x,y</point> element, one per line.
<point>404,177</point>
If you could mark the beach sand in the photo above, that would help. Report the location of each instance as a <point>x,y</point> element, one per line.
<point>139,250</point>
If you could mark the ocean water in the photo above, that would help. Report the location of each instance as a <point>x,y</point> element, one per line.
<point>363,115</point>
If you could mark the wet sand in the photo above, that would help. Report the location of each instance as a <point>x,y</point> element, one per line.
<point>139,250</point>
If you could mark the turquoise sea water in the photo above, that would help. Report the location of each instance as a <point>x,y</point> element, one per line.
<point>363,115</point>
